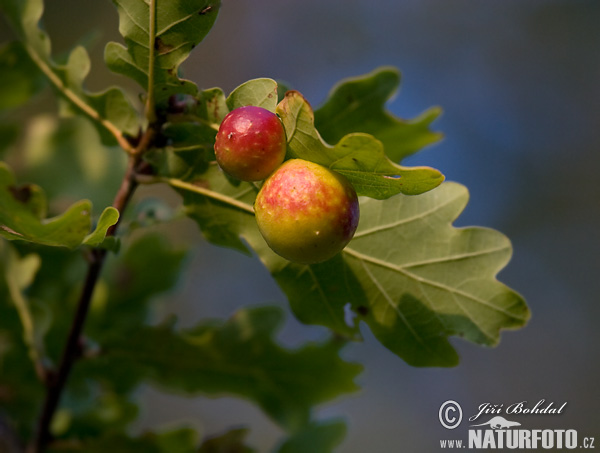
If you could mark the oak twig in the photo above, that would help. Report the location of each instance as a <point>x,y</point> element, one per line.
<point>72,350</point>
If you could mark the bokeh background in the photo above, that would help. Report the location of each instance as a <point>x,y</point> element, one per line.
<point>519,83</point>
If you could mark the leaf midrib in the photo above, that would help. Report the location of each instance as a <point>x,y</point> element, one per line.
<point>428,282</point>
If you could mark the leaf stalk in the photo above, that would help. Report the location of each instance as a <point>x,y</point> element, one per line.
<point>197,189</point>
<point>76,100</point>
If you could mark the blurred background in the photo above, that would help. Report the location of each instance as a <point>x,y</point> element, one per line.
<point>519,83</point>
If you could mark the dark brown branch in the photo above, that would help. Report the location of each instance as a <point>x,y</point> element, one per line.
<point>72,350</point>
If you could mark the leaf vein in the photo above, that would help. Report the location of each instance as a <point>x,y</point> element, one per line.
<point>428,282</point>
<point>458,257</point>
<point>390,304</point>
<point>406,220</point>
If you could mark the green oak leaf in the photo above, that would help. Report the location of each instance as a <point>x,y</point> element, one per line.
<point>180,26</point>
<point>358,105</point>
<point>257,92</point>
<point>426,280</point>
<point>22,209</point>
<point>411,276</point>
<point>359,157</point>
<point>109,111</point>
<point>239,357</point>
<point>318,437</point>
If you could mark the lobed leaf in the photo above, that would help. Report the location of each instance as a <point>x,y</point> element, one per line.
<point>22,212</point>
<point>411,276</point>
<point>358,105</point>
<point>109,111</point>
<point>359,157</point>
<point>425,280</point>
<point>180,26</point>
<point>239,357</point>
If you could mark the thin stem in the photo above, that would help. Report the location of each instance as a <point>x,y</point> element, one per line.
<point>72,350</point>
<point>200,190</point>
<point>150,107</point>
<point>76,99</point>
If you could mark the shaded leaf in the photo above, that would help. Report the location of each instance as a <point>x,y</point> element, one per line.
<point>231,442</point>
<point>359,157</point>
<point>22,209</point>
<point>110,111</point>
<point>20,390</point>
<point>188,153</point>
<point>318,437</point>
<point>257,92</point>
<point>19,273</point>
<point>221,221</point>
<point>358,105</point>
<point>180,26</point>
<point>239,357</point>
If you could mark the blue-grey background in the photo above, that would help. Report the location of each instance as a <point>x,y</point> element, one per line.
<point>519,83</point>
